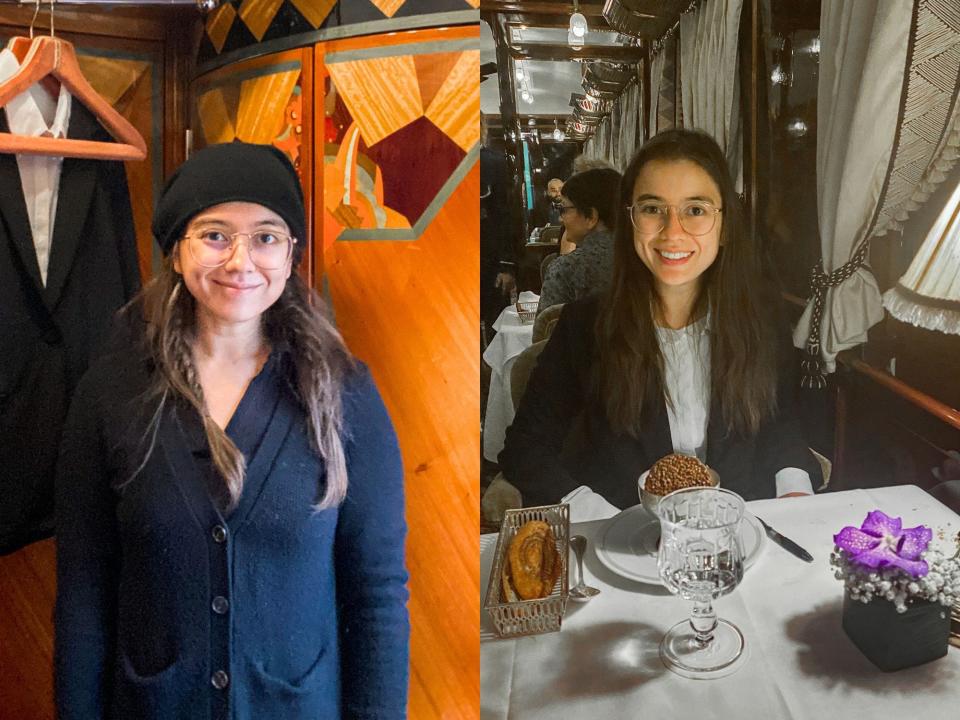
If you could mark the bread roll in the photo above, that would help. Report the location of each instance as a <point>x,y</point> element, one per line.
<point>533,561</point>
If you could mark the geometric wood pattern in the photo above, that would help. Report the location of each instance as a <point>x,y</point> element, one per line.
<point>315,11</point>
<point>219,23</point>
<point>382,94</point>
<point>456,106</point>
<point>215,117</point>
<point>238,24</point>
<point>111,77</point>
<point>432,72</point>
<point>414,98</point>
<point>263,102</point>
<point>388,7</point>
<point>258,14</point>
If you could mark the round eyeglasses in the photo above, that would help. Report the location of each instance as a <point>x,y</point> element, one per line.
<point>696,217</point>
<point>269,249</point>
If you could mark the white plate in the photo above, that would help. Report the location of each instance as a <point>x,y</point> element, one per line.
<point>628,544</point>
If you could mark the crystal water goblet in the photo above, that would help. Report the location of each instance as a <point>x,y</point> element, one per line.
<point>701,558</point>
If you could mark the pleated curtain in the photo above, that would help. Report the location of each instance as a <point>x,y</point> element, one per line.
<point>709,81</point>
<point>886,135</point>
<point>656,76</point>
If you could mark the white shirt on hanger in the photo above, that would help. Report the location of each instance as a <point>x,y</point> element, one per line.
<point>34,113</point>
<point>686,354</point>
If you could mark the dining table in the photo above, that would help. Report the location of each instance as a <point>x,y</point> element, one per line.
<point>512,338</point>
<point>799,664</point>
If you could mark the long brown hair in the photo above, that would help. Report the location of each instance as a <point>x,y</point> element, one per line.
<point>296,321</point>
<point>629,377</point>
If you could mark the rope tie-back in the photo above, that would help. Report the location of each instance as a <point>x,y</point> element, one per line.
<point>812,374</point>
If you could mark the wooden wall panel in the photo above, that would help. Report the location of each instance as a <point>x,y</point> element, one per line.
<point>410,311</point>
<point>27,592</point>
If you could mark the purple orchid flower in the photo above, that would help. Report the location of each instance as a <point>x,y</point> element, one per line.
<point>880,542</point>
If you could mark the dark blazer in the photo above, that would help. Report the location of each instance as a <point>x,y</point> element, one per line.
<point>159,590</point>
<point>49,334</point>
<point>537,460</point>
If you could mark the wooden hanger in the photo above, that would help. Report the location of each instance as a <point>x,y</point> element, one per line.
<point>50,56</point>
<point>20,46</point>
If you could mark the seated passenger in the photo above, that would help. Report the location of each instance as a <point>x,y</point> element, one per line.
<point>547,209</point>
<point>683,354</point>
<point>588,211</point>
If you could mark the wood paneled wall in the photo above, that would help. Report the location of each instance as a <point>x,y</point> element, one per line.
<point>410,311</point>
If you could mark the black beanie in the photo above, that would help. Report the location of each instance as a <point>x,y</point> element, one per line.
<point>232,172</point>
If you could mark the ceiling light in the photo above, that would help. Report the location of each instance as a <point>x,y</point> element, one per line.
<point>578,27</point>
<point>578,24</point>
<point>527,97</point>
<point>519,73</point>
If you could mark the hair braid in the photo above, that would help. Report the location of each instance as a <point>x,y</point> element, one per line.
<point>321,362</point>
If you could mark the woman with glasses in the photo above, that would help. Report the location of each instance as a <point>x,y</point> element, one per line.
<point>683,354</point>
<point>588,212</point>
<point>230,494</point>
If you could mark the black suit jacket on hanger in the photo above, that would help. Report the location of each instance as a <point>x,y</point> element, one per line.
<point>559,440</point>
<point>48,335</point>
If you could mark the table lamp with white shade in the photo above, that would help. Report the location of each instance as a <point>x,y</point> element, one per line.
<point>928,294</point>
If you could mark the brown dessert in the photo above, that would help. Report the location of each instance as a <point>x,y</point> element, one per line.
<point>533,563</point>
<point>674,472</point>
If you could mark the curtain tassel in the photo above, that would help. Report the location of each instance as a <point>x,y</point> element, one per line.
<point>812,376</point>
<point>812,368</point>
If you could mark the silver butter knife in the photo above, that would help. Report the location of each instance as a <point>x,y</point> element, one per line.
<point>785,542</point>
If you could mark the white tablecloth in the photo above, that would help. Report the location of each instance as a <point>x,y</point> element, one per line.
<point>512,338</point>
<point>604,662</point>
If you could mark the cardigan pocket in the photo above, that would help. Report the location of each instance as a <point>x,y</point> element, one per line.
<point>312,681</point>
<point>149,697</point>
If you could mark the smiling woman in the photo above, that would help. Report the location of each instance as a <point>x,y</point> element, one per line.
<point>230,493</point>
<point>681,354</point>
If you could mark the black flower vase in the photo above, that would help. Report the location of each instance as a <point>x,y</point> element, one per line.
<point>892,640</point>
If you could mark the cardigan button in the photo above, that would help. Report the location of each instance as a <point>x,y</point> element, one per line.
<point>220,605</point>
<point>220,680</point>
<point>219,533</point>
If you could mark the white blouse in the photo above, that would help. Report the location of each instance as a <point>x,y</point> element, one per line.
<point>34,113</point>
<point>686,354</point>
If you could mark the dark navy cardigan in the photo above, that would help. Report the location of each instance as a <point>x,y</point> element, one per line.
<point>167,608</point>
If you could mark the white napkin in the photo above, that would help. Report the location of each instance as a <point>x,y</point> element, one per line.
<point>586,505</point>
<point>528,296</point>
